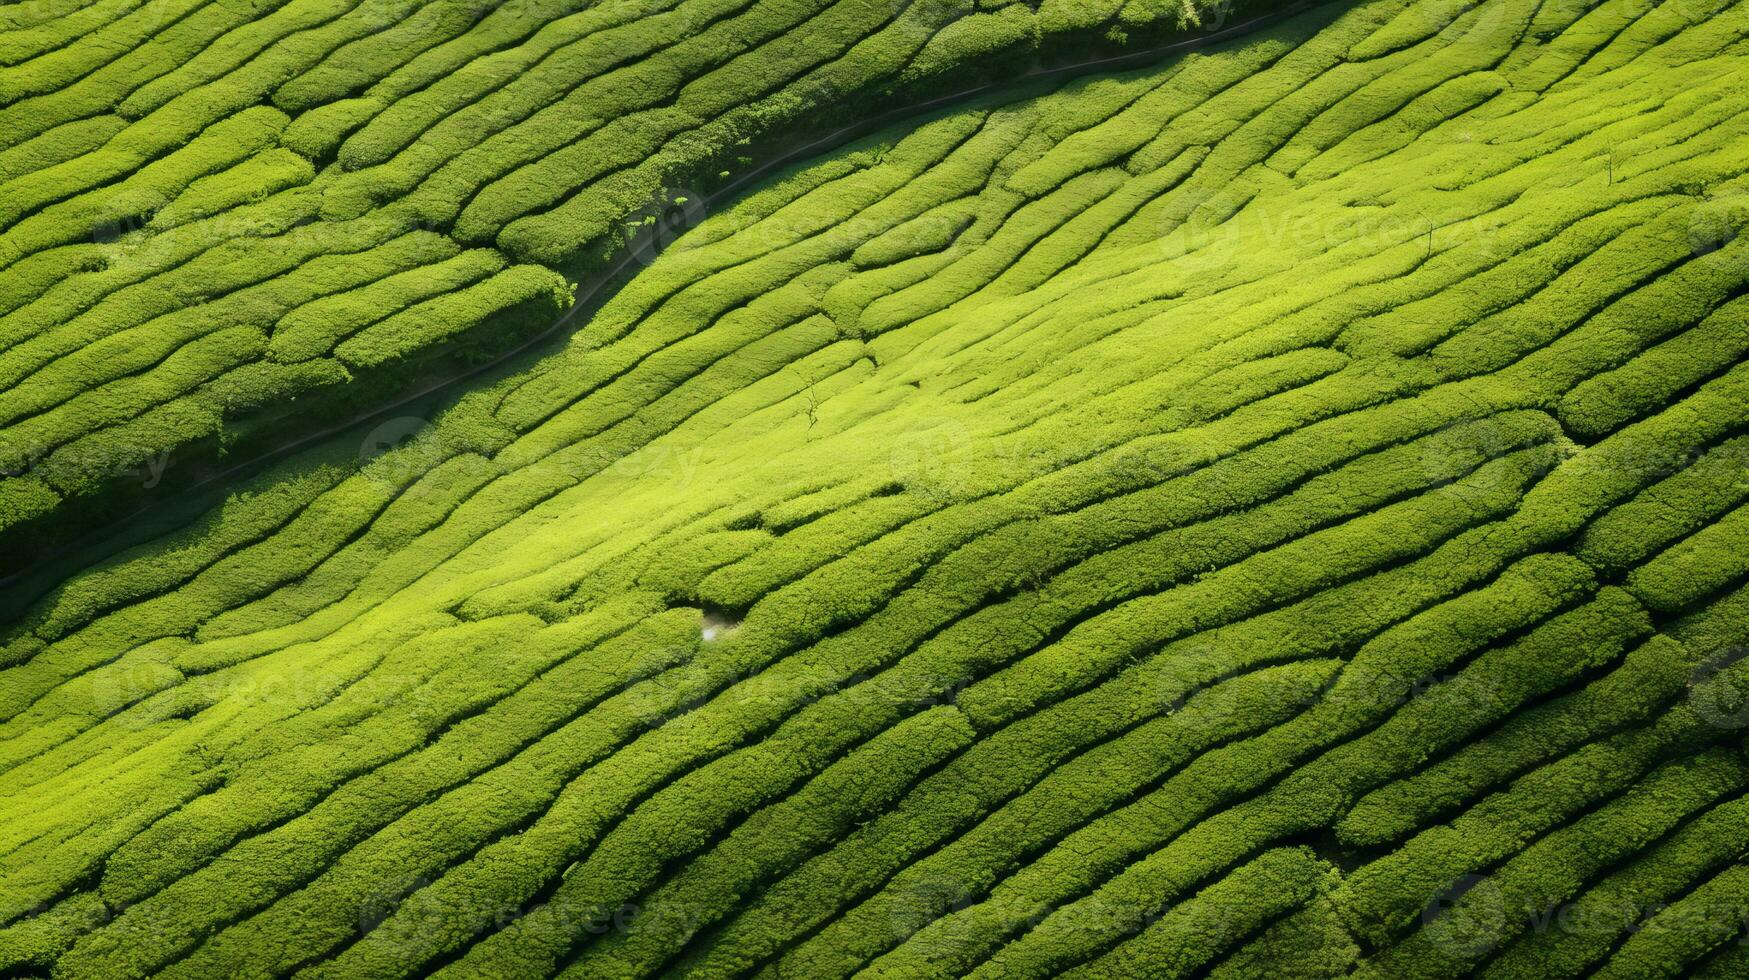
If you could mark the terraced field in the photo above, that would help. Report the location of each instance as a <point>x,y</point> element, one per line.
<point>212,210</point>
<point>1279,511</point>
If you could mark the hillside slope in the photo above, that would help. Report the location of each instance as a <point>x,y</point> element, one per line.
<point>220,221</point>
<point>1282,508</point>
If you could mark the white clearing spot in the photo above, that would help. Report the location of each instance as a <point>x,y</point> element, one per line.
<point>717,625</point>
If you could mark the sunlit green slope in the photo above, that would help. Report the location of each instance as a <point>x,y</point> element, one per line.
<point>1277,513</point>
<point>223,221</point>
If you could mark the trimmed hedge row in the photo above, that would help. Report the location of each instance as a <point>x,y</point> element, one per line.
<point>461,115</point>
<point>1132,527</point>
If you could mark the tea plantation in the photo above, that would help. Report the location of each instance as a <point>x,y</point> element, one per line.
<point>1279,511</point>
<point>211,210</point>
